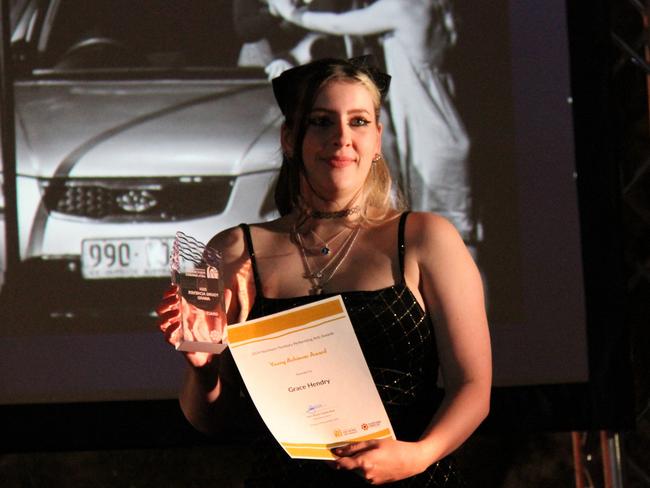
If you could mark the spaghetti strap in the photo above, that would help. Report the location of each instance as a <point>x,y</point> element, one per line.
<point>401,245</point>
<point>251,253</point>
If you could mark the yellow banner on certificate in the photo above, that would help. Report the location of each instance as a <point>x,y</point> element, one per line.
<point>307,376</point>
<point>266,328</point>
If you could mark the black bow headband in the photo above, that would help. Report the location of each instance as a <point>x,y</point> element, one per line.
<point>290,84</point>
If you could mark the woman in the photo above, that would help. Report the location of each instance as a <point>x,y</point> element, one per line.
<point>408,282</point>
<point>431,140</point>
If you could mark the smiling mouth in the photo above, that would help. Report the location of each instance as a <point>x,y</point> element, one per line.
<point>339,162</point>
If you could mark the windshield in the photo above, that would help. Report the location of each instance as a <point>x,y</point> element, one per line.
<point>115,34</point>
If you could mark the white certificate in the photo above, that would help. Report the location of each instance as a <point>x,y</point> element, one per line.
<point>308,378</point>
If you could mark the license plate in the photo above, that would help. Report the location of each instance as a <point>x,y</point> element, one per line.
<point>125,258</point>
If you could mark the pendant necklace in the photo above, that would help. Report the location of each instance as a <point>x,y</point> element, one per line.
<point>319,278</point>
<point>325,249</point>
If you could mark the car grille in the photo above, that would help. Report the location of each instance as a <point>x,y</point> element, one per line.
<point>149,200</point>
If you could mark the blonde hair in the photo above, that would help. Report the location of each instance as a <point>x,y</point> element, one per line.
<point>376,199</point>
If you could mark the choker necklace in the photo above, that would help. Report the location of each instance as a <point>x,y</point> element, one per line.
<point>320,277</point>
<point>338,214</point>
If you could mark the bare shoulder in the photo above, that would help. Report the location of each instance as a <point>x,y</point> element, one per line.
<point>437,247</point>
<point>230,243</point>
<point>428,233</point>
<point>448,276</point>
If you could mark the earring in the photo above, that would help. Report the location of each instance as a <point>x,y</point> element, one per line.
<point>376,159</point>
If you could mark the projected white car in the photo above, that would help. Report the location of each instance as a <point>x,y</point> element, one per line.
<point>133,121</point>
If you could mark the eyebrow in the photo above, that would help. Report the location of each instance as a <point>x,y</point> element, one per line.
<point>349,112</point>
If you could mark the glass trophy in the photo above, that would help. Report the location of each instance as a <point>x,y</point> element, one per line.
<point>196,270</point>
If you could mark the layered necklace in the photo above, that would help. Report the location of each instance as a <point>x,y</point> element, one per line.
<point>325,249</point>
<point>319,277</point>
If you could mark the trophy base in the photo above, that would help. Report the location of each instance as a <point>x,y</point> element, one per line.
<point>196,346</point>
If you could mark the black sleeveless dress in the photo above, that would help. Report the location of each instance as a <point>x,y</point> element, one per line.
<point>398,342</point>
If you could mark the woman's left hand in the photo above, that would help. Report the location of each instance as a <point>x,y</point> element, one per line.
<point>381,461</point>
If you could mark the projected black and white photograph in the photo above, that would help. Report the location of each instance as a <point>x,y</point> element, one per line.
<point>134,120</point>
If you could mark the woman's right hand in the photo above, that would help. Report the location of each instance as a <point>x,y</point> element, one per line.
<point>276,67</point>
<point>169,313</point>
<point>283,8</point>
